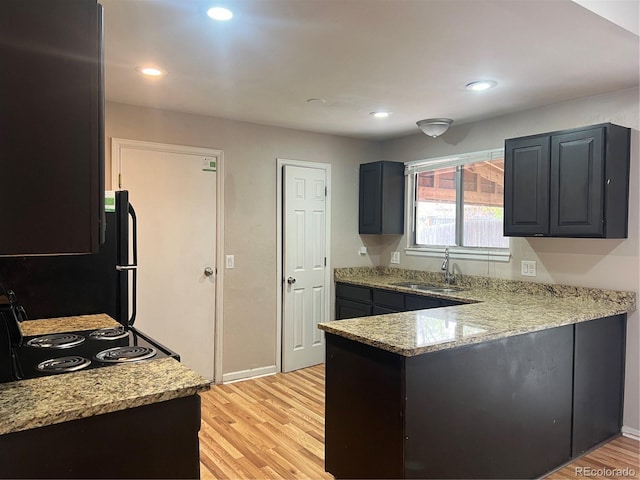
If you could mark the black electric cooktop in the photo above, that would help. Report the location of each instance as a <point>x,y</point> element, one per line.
<point>58,353</point>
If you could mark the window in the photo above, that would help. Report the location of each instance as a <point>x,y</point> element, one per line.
<point>458,201</point>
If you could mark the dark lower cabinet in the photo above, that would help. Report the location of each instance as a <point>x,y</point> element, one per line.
<point>598,375</point>
<point>352,301</point>
<point>152,441</point>
<point>364,411</point>
<point>516,407</point>
<point>358,301</point>
<point>350,309</point>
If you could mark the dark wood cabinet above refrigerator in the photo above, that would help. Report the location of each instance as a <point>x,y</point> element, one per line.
<point>571,183</point>
<point>51,140</point>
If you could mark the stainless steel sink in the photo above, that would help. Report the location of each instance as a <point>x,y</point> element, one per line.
<point>414,285</point>
<point>446,289</point>
<point>428,288</point>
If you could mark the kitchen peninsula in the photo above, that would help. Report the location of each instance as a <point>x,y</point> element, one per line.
<point>513,383</point>
<point>135,420</point>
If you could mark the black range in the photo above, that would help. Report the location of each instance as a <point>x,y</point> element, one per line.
<point>56,353</point>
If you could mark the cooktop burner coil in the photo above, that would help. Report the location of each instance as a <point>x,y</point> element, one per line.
<point>56,340</point>
<point>113,333</point>
<point>126,354</point>
<point>64,364</point>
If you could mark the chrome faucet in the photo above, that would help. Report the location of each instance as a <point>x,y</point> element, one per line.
<point>449,276</point>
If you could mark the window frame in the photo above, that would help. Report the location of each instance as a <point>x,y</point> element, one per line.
<point>495,254</point>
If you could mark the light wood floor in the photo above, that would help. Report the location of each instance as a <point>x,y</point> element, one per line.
<point>273,428</point>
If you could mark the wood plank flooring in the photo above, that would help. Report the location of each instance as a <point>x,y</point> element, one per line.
<point>273,428</point>
<point>615,460</point>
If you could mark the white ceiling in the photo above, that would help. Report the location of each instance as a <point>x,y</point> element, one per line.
<point>412,57</point>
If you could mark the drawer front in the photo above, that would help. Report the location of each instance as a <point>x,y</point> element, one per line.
<point>383,310</point>
<point>349,309</point>
<point>387,298</point>
<point>419,302</point>
<point>353,292</point>
<point>450,303</point>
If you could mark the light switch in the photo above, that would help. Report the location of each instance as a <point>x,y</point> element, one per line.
<point>230,261</point>
<point>528,268</point>
<point>363,250</point>
<point>395,258</point>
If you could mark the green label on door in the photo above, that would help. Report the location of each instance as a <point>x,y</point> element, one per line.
<point>110,201</point>
<point>208,165</point>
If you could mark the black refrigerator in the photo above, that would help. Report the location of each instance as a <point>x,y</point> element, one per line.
<point>68,285</point>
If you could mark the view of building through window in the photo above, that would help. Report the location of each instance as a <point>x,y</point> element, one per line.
<point>480,192</point>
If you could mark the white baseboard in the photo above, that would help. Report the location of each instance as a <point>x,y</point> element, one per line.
<point>247,374</point>
<point>631,433</point>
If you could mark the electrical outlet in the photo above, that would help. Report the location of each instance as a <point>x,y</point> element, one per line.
<point>363,250</point>
<point>230,261</point>
<point>528,268</point>
<point>395,258</point>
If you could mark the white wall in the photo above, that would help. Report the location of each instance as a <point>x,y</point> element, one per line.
<point>250,153</point>
<point>609,264</point>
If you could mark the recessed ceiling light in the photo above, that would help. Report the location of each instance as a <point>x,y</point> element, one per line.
<point>151,71</point>
<point>220,13</point>
<point>481,85</point>
<point>380,114</point>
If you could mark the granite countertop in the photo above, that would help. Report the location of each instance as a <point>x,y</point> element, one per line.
<point>42,401</point>
<point>46,326</point>
<point>495,309</point>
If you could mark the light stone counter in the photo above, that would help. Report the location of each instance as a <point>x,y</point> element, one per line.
<point>38,402</point>
<point>495,309</point>
<point>46,326</point>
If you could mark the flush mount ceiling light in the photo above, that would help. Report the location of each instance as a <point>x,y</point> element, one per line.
<point>434,127</point>
<point>220,13</point>
<point>150,71</point>
<point>380,114</point>
<point>481,85</point>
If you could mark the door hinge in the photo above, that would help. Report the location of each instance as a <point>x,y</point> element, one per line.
<point>119,181</point>
<point>325,261</point>
<point>325,191</point>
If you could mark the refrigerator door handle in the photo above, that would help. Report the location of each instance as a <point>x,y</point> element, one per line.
<point>134,266</point>
<point>124,268</point>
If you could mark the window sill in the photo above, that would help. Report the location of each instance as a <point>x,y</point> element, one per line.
<point>462,253</point>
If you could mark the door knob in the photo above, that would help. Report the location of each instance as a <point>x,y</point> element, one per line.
<point>208,272</point>
<point>291,280</point>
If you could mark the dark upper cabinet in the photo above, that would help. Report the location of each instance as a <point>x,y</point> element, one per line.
<point>526,186</point>
<point>573,183</point>
<point>51,140</point>
<point>381,198</point>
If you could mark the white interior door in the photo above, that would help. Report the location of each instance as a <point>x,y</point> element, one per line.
<point>174,195</point>
<point>304,257</point>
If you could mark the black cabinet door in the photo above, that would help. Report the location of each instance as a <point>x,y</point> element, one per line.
<point>388,299</point>
<point>51,140</point>
<point>419,302</point>
<point>577,184</point>
<point>526,186</point>
<point>351,309</point>
<point>598,380</point>
<point>356,293</point>
<point>381,199</point>
<point>370,212</point>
